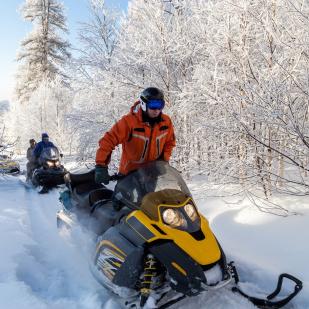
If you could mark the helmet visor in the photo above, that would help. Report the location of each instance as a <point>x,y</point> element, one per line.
<point>155,104</point>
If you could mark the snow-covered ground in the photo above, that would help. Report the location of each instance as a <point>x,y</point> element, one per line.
<point>41,269</point>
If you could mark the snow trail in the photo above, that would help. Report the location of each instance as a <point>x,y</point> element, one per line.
<point>50,271</point>
<point>39,269</point>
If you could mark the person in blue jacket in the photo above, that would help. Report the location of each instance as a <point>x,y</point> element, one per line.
<point>44,143</point>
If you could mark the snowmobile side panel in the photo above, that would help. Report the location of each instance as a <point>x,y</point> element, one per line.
<point>105,211</point>
<point>118,259</point>
<point>140,228</point>
<point>131,235</point>
<point>105,216</point>
<point>186,275</point>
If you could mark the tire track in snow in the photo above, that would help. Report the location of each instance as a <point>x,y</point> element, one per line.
<point>55,270</point>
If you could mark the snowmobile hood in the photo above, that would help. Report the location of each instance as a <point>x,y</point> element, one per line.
<point>194,244</point>
<point>151,201</point>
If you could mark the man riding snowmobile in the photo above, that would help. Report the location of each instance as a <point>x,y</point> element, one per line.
<point>146,134</point>
<point>44,143</point>
<point>49,172</point>
<point>158,249</point>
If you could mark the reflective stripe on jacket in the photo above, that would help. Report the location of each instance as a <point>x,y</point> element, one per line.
<point>140,142</point>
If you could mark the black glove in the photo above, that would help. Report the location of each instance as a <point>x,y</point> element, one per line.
<point>101,174</point>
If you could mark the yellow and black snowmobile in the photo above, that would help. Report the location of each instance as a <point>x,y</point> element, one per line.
<point>154,247</point>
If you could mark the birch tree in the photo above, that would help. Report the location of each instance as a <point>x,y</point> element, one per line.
<point>94,109</point>
<point>253,79</point>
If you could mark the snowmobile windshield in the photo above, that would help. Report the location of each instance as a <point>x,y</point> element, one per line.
<point>50,153</point>
<point>152,177</point>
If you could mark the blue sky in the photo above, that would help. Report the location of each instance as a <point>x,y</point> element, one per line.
<point>13,29</point>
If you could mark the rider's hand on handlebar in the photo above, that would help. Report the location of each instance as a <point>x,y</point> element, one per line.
<point>101,174</point>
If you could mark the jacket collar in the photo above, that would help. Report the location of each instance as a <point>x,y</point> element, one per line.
<point>136,110</point>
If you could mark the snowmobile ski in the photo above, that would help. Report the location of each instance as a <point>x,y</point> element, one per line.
<point>268,302</point>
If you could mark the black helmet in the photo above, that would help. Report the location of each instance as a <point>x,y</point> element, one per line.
<point>32,140</point>
<point>153,98</point>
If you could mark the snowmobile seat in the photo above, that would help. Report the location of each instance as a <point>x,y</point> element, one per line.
<point>99,195</point>
<point>87,194</point>
<point>77,179</point>
<point>87,187</point>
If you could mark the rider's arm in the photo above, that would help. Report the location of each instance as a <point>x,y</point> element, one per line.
<point>37,150</point>
<point>170,143</point>
<point>118,134</point>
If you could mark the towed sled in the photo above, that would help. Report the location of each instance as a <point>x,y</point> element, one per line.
<point>154,248</point>
<point>8,165</point>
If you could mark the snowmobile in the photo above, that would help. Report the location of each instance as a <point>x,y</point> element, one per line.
<point>49,173</point>
<point>154,248</point>
<point>8,166</point>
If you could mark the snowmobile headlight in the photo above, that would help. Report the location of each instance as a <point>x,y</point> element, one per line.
<point>191,212</point>
<point>174,218</point>
<point>50,163</point>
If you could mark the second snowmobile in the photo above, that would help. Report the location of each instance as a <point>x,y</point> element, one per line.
<point>154,247</point>
<point>50,172</point>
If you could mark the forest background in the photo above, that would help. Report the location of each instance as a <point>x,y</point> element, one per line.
<point>235,78</point>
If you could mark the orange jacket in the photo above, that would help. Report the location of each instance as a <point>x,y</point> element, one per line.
<point>140,142</point>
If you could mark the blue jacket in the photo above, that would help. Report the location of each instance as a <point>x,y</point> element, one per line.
<point>40,146</point>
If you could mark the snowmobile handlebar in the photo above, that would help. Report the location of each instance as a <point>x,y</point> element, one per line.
<point>116,177</point>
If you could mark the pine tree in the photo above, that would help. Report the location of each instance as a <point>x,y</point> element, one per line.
<point>43,52</point>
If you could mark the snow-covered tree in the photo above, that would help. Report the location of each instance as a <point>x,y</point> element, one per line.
<point>94,109</point>
<point>250,92</point>
<point>47,111</point>
<point>7,138</point>
<point>234,75</point>
<point>44,52</point>
<point>98,38</point>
